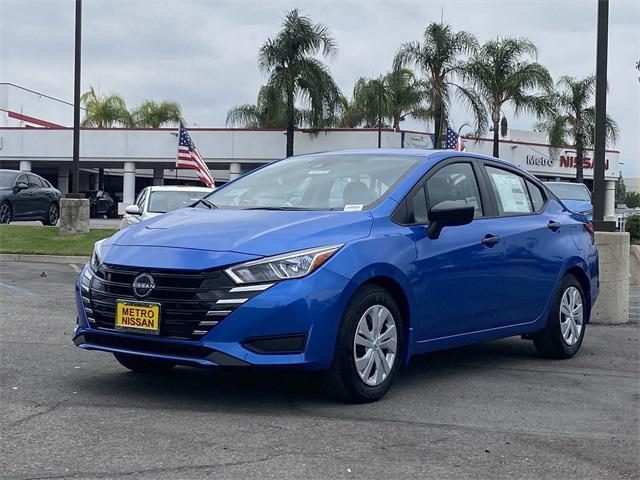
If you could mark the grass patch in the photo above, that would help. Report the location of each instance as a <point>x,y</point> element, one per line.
<point>47,240</point>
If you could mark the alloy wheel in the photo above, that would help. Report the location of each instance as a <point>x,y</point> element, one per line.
<point>53,214</point>
<point>571,315</point>
<point>375,344</point>
<point>5,213</point>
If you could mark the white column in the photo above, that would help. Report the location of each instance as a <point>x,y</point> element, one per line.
<point>129,184</point>
<point>610,200</point>
<point>234,171</point>
<point>63,179</point>
<point>158,176</point>
<point>25,165</point>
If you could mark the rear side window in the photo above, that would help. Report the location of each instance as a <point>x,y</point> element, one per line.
<point>537,197</point>
<point>454,182</point>
<point>511,192</point>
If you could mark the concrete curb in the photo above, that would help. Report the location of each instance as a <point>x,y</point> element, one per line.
<point>19,257</point>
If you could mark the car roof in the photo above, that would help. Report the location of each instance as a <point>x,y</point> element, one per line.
<point>422,154</point>
<point>178,188</point>
<point>550,182</point>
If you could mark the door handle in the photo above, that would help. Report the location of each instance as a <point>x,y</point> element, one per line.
<point>554,225</point>
<point>490,240</point>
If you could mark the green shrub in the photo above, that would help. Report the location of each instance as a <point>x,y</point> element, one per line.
<point>632,225</point>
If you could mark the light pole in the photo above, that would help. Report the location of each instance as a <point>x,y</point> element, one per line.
<point>380,93</point>
<point>601,116</point>
<point>75,166</point>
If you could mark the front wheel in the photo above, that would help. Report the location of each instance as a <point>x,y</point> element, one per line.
<point>142,364</point>
<point>563,334</point>
<point>368,347</point>
<point>53,214</point>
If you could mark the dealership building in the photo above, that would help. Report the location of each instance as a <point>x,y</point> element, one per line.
<point>35,135</point>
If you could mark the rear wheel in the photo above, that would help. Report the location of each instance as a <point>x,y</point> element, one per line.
<point>563,334</point>
<point>368,347</point>
<point>142,364</point>
<point>53,214</point>
<point>112,212</point>
<point>5,212</point>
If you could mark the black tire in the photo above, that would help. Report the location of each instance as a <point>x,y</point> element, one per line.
<point>5,212</point>
<point>53,214</point>
<point>111,213</point>
<point>550,341</point>
<point>342,379</point>
<point>142,364</point>
<point>93,211</point>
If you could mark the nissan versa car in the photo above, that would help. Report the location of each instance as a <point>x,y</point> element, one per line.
<point>349,262</point>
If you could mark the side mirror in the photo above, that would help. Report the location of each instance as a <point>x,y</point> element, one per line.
<point>449,213</point>
<point>133,210</point>
<point>21,186</point>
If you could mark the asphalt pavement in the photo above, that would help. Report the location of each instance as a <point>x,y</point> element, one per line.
<point>494,410</point>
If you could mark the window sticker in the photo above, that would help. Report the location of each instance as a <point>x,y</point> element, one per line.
<point>511,193</point>
<point>353,208</point>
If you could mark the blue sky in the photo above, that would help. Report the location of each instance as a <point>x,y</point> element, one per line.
<point>203,53</point>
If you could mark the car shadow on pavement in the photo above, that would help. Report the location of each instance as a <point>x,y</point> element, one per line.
<point>239,389</point>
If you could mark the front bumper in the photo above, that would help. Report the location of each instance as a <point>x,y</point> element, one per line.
<point>304,312</point>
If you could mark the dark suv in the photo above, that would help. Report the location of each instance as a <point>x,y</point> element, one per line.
<point>27,196</point>
<point>101,203</point>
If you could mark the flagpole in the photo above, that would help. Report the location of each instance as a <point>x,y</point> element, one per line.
<point>177,149</point>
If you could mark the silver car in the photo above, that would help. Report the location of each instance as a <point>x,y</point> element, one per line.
<point>153,201</point>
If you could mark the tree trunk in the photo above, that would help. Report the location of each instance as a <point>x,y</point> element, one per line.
<point>495,118</point>
<point>290,121</point>
<point>579,161</point>
<point>437,127</point>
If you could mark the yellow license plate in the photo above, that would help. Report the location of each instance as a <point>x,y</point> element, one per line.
<point>138,317</point>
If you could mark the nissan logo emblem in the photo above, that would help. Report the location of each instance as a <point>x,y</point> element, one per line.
<point>143,285</point>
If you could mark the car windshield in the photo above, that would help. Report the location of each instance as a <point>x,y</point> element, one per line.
<point>325,182</point>
<point>163,201</point>
<point>7,179</point>
<point>568,191</point>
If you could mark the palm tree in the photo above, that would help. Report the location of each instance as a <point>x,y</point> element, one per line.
<point>152,114</point>
<point>405,96</point>
<point>288,60</point>
<point>268,112</point>
<point>439,59</point>
<point>104,111</point>
<point>502,72</point>
<point>572,118</point>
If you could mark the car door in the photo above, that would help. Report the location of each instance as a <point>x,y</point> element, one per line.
<point>22,200</point>
<point>532,241</point>
<point>458,275</point>
<point>38,194</point>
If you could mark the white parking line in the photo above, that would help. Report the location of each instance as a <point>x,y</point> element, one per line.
<point>75,267</point>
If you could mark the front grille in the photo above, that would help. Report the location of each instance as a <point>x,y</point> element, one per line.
<point>192,303</point>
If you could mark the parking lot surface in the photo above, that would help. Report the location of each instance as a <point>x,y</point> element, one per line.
<point>495,410</point>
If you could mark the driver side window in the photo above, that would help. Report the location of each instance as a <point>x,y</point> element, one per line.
<point>456,181</point>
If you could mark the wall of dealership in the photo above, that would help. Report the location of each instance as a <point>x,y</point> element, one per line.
<point>128,159</point>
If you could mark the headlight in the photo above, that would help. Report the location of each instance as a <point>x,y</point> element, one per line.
<point>282,267</point>
<point>96,256</point>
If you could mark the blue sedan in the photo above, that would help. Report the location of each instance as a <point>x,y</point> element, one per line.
<point>349,262</point>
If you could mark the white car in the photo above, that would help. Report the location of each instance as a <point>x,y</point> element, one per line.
<point>154,201</point>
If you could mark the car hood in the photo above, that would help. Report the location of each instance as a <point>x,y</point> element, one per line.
<point>250,232</point>
<point>578,206</point>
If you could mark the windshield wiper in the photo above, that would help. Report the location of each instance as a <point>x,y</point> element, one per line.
<point>206,203</point>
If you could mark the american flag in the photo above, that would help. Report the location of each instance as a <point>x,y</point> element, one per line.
<point>189,158</point>
<point>453,141</point>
